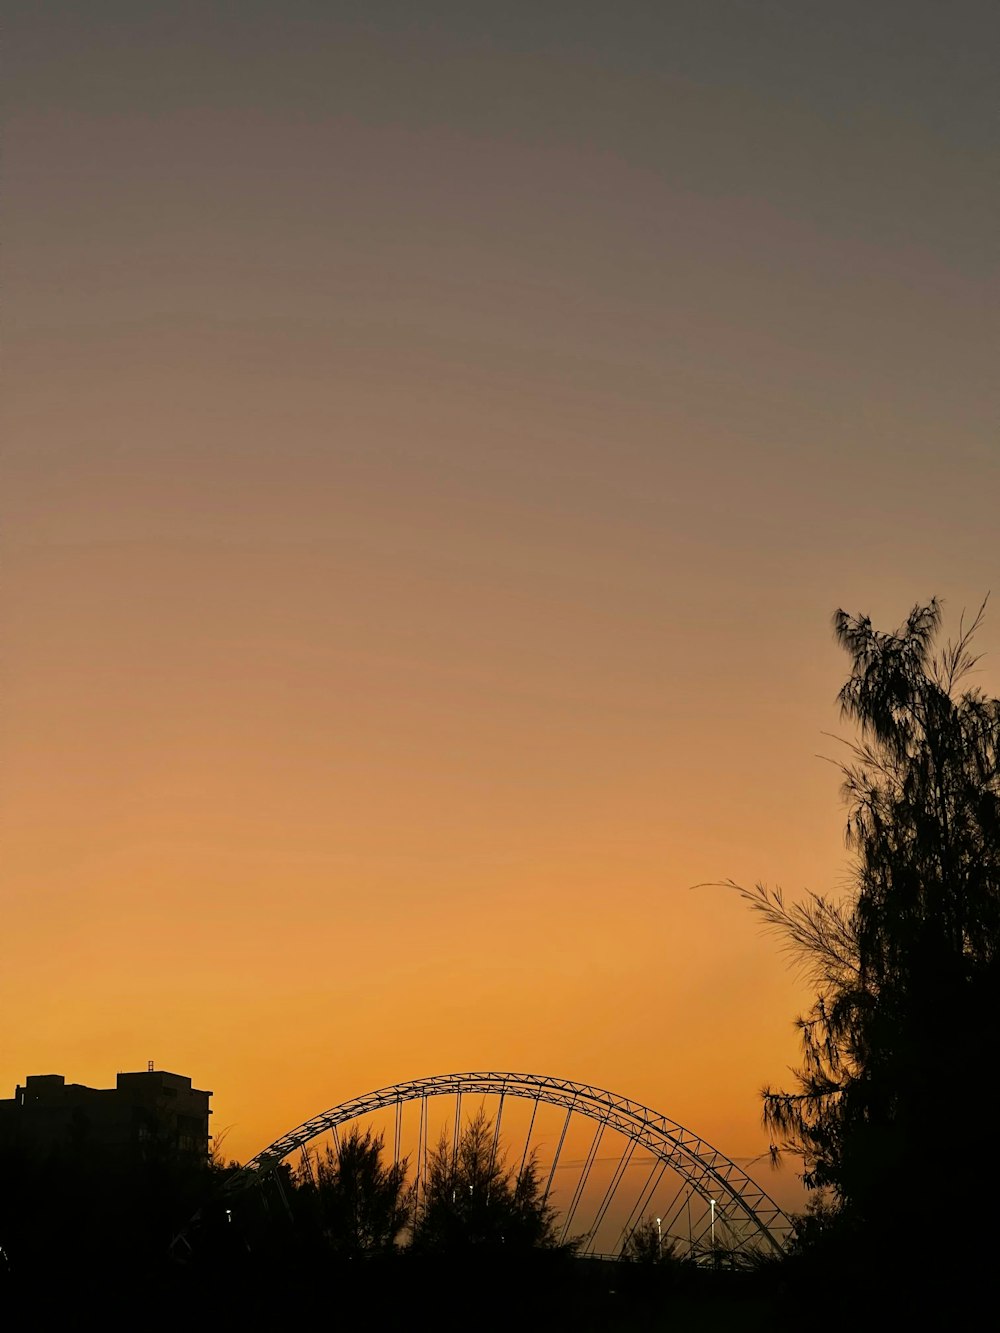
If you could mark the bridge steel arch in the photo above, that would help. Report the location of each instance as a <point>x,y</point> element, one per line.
<point>751,1216</point>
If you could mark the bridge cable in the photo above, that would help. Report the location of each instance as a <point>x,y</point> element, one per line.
<point>677,1195</point>
<point>531,1126</point>
<point>611,1190</point>
<point>458,1126</point>
<point>642,1200</point>
<point>555,1160</point>
<point>496,1141</point>
<point>581,1183</point>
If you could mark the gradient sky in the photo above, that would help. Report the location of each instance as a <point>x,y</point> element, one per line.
<point>436,439</point>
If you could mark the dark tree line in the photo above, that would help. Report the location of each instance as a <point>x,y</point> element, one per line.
<point>467,1199</point>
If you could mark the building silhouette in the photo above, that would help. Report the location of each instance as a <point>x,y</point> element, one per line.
<point>146,1113</point>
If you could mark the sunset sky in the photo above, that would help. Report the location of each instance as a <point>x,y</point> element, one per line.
<point>436,437</point>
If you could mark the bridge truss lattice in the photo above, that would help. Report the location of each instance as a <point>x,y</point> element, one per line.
<point>736,1213</point>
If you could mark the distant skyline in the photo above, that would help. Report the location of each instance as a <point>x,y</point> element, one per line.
<point>436,440</point>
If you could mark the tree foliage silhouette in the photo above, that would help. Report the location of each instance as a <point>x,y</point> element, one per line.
<point>363,1204</point>
<point>902,1037</point>
<point>471,1199</point>
<point>645,1244</point>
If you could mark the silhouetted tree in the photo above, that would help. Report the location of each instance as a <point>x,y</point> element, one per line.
<point>903,1037</point>
<point>645,1244</point>
<point>363,1203</point>
<point>472,1200</point>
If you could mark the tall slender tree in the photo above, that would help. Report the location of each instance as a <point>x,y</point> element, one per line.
<point>902,1040</point>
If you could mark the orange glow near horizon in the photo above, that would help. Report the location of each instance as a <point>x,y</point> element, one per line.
<point>433,459</point>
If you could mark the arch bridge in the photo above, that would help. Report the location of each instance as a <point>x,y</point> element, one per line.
<point>700,1199</point>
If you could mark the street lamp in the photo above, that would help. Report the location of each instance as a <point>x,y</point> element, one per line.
<point>659,1239</point>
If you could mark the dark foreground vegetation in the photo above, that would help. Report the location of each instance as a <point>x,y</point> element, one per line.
<point>892,1114</point>
<point>159,1242</point>
<point>892,1111</point>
